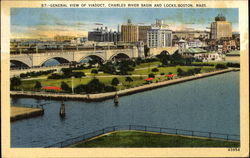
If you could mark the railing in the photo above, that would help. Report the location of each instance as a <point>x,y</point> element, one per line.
<point>174,131</point>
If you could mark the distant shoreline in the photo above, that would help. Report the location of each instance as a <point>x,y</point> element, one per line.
<point>110,95</point>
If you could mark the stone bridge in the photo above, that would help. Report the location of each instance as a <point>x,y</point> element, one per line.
<point>38,59</point>
<point>156,51</point>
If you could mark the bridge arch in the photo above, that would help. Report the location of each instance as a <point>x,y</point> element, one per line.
<point>61,60</point>
<point>119,56</point>
<point>19,63</point>
<point>164,52</point>
<point>93,57</point>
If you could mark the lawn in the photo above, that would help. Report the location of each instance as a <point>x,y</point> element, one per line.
<point>146,139</point>
<point>138,77</point>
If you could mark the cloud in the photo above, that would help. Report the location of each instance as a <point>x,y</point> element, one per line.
<point>45,31</point>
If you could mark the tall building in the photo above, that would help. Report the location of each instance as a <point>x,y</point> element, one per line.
<point>60,38</point>
<point>221,28</point>
<point>159,35</point>
<point>129,32</point>
<point>104,35</point>
<point>143,33</point>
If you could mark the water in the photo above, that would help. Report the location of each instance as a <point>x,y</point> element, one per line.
<point>208,104</point>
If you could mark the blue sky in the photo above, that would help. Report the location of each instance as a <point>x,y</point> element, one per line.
<point>42,22</point>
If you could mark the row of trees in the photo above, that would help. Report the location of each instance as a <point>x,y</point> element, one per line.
<point>118,68</point>
<point>174,59</point>
<point>66,73</point>
<point>189,72</point>
<point>35,74</point>
<point>94,86</point>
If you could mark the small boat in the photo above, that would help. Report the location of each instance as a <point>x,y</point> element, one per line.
<point>62,110</point>
<point>116,101</point>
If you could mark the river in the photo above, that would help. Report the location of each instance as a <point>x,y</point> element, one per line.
<point>209,104</point>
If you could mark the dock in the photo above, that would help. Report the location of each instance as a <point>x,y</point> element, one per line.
<point>18,113</point>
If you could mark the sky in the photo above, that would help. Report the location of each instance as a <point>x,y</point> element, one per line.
<point>48,22</point>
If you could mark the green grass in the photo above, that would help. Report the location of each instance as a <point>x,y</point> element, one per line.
<point>143,65</point>
<point>234,52</point>
<point>27,85</point>
<point>146,139</point>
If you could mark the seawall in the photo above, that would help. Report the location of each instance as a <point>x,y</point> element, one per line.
<point>18,113</point>
<point>109,95</point>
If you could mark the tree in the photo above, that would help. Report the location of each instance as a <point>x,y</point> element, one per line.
<point>155,70</point>
<point>94,71</point>
<point>220,66</point>
<point>55,76</point>
<point>65,87</point>
<point>110,88</point>
<point>176,58</point>
<point>179,72</point>
<point>115,81</point>
<point>151,75</point>
<point>14,82</point>
<point>80,88</point>
<point>78,74</point>
<point>129,79</point>
<point>38,85</point>
<point>95,86</point>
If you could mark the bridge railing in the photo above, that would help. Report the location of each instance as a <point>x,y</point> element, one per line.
<point>173,131</point>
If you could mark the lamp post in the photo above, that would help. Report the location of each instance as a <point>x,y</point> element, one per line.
<point>72,82</point>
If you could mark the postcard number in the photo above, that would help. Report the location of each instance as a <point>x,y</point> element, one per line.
<point>233,149</point>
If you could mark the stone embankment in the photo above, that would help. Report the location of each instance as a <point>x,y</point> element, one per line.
<point>18,113</point>
<point>103,96</point>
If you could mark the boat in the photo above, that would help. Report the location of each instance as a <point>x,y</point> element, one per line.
<point>62,110</point>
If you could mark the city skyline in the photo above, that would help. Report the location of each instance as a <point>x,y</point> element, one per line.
<point>47,22</point>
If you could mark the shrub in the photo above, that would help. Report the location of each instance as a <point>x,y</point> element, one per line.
<point>151,75</point>
<point>155,70</point>
<point>78,74</point>
<point>129,79</point>
<point>14,82</point>
<point>65,87</point>
<point>233,65</point>
<point>80,88</point>
<point>110,88</point>
<point>94,71</point>
<point>220,66</point>
<point>179,72</point>
<point>115,81</point>
<point>162,73</point>
<point>55,76</point>
<point>197,70</point>
<point>38,85</point>
<point>95,86</point>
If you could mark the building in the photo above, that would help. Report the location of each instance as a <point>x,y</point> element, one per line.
<point>129,32</point>
<point>159,35</point>
<point>191,34</point>
<point>229,46</point>
<point>196,43</point>
<point>104,35</point>
<point>221,28</point>
<point>59,38</point>
<point>202,55</point>
<point>182,46</point>
<point>143,33</point>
